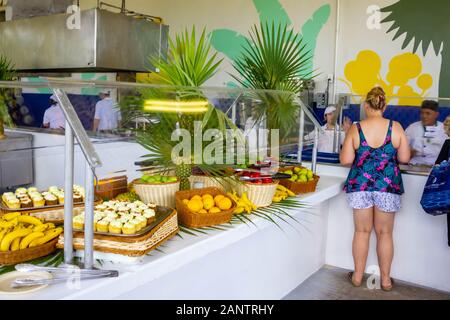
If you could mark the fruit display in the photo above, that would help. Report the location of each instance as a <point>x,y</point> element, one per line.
<point>130,196</point>
<point>208,203</point>
<point>282,193</point>
<point>157,179</point>
<point>243,203</point>
<point>19,232</point>
<point>300,174</point>
<point>31,198</point>
<point>258,178</point>
<point>119,217</point>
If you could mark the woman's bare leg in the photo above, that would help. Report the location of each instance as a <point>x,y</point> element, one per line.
<point>384,226</point>
<point>363,219</point>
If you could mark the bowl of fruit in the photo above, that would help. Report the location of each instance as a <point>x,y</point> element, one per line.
<point>260,188</point>
<point>204,207</point>
<point>302,180</point>
<point>157,189</point>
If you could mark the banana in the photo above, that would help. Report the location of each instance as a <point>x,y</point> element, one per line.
<point>15,244</point>
<point>29,238</point>
<point>43,227</point>
<point>7,239</point>
<point>10,216</point>
<point>284,189</point>
<point>29,220</point>
<point>238,210</point>
<point>50,235</point>
<point>249,203</point>
<point>2,234</point>
<point>8,224</point>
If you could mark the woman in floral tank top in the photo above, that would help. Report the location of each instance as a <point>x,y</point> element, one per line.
<point>374,147</point>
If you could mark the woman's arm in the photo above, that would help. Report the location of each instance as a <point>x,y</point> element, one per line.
<point>347,155</point>
<point>403,151</point>
<point>443,155</point>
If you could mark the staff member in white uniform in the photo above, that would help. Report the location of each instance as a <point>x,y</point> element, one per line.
<point>427,136</point>
<point>54,116</point>
<point>107,114</point>
<point>326,138</point>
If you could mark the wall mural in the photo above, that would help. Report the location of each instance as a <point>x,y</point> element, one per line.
<point>424,22</point>
<point>363,73</point>
<point>231,43</point>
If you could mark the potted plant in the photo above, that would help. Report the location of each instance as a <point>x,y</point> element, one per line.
<point>6,74</point>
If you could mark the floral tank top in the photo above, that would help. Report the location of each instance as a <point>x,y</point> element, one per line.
<point>375,169</point>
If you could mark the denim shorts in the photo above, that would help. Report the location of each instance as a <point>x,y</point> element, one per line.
<point>386,202</point>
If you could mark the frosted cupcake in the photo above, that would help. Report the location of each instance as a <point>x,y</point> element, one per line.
<point>129,228</point>
<point>38,201</point>
<point>102,226</point>
<point>115,227</point>
<point>149,213</point>
<point>78,222</point>
<point>142,221</point>
<point>136,224</point>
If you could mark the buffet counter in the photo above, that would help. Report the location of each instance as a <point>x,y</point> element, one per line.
<point>247,261</point>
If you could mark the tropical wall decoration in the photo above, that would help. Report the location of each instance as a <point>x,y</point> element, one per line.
<point>232,43</point>
<point>404,73</point>
<point>424,23</point>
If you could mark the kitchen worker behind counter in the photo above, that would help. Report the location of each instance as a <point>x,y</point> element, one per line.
<point>326,138</point>
<point>54,116</point>
<point>107,114</point>
<point>426,136</point>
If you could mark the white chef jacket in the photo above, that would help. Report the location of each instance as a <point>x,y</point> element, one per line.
<point>108,113</point>
<point>326,139</point>
<point>427,143</point>
<point>55,117</point>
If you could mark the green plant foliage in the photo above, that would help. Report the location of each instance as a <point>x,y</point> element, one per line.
<point>7,73</point>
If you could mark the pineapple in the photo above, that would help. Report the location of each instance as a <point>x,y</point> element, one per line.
<point>183,172</point>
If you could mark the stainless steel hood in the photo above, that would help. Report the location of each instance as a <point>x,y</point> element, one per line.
<point>106,41</point>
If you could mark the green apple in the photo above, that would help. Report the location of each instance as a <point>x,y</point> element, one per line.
<point>294,176</point>
<point>297,169</point>
<point>289,172</point>
<point>172,179</point>
<point>310,174</point>
<point>303,178</point>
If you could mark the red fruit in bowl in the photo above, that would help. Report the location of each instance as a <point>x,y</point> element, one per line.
<point>255,175</point>
<point>267,180</point>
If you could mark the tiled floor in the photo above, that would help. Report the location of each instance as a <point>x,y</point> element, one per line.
<point>330,283</point>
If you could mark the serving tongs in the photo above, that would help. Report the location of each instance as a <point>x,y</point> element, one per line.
<point>276,176</point>
<point>62,274</point>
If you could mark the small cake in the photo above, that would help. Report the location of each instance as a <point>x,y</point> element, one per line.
<point>26,203</point>
<point>78,222</point>
<point>112,215</point>
<point>13,203</point>
<point>102,225</point>
<point>32,189</point>
<point>115,227</point>
<point>149,214</point>
<point>129,228</point>
<point>77,198</point>
<point>101,207</point>
<point>152,206</point>
<point>34,194</point>
<point>136,224</point>
<point>53,189</point>
<point>21,191</point>
<point>7,195</point>
<point>61,198</point>
<point>50,200</point>
<point>38,201</point>
<point>142,221</point>
<point>143,207</point>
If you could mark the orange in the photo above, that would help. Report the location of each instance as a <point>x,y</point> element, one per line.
<point>208,203</point>
<point>203,211</point>
<point>195,205</point>
<point>218,198</point>
<point>224,203</point>
<point>214,210</point>
<point>197,197</point>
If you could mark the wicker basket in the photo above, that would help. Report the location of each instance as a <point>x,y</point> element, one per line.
<point>209,182</point>
<point>162,194</point>
<point>110,188</point>
<point>130,246</point>
<point>300,187</point>
<point>260,194</point>
<point>14,257</point>
<point>199,220</point>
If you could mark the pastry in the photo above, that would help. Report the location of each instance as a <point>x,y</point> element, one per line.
<point>149,213</point>
<point>13,203</point>
<point>78,222</point>
<point>38,201</point>
<point>50,200</point>
<point>53,189</point>
<point>77,198</point>
<point>152,206</point>
<point>21,191</point>
<point>7,195</point>
<point>136,224</point>
<point>129,228</point>
<point>32,189</point>
<point>115,227</point>
<point>142,221</point>
<point>61,198</point>
<point>102,225</point>
<point>26,203</point>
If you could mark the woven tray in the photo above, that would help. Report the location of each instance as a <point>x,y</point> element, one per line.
<point>260,194</point>
<point>14,257</point>
<point>162,194</point>
<point>199,220</point>
<point>300,187</point>
<point>130,246</point>
<point>55,214</point>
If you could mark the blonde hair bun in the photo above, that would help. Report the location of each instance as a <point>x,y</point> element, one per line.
<point>376,98</point>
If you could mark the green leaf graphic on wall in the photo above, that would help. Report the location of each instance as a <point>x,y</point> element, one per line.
<point>426,23</point>
<point>231,43</point>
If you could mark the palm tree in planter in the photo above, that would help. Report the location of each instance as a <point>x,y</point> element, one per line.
<point>6,74</point>
<point>188,65</point>
<point>275,58</point>
<point>424,22</point>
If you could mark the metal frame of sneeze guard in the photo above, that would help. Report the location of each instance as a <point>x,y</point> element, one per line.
<point>74,128</point>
